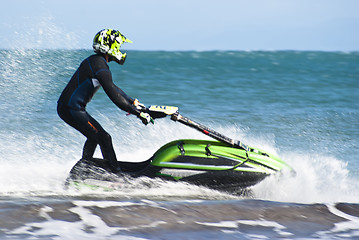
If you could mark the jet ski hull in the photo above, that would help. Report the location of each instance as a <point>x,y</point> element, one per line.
<point>201,162</point>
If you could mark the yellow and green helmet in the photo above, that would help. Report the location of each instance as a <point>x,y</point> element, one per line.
<point>109,41</point>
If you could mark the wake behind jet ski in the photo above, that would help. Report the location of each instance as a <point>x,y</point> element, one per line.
<point>225,164</point>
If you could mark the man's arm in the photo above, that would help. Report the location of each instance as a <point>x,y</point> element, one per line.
<point>117,96</point>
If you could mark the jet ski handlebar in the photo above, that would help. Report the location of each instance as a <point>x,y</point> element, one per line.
<point>210,132</point>
<point>163,111</point>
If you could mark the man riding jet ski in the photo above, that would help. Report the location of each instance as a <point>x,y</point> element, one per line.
<point>220,164</point>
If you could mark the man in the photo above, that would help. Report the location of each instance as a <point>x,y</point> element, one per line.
<point>92,73</point>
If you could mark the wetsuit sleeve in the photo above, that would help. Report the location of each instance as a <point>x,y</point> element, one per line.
<point>117,96</point>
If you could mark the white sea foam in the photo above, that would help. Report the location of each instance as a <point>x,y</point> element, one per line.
<point>318,178</point>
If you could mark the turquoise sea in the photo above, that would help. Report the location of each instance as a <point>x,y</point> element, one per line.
<point>301,105</point>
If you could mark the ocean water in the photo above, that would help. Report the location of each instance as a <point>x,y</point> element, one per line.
<point>302,106</point>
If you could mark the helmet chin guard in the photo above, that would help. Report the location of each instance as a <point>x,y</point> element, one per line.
<point>108,41</point>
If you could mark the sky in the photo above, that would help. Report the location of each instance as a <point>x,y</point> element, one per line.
<point>201,25</point>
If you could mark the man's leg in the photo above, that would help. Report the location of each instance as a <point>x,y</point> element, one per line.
<point>108,153</point>
<point>76,120</point>
<point>95,134</point>
<point>89,149</point>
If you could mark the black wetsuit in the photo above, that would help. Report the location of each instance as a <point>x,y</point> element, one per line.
<point>92,73</point>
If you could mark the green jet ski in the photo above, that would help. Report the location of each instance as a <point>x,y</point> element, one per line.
<point>222,164</point>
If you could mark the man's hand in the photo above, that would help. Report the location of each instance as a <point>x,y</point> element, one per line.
<point>139,106</point>
<point>146,118</point>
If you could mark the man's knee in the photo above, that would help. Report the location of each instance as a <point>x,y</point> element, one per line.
<point>104,138</point>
